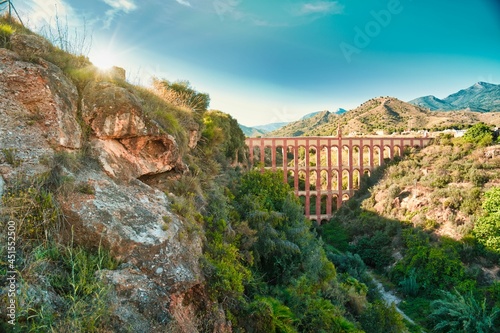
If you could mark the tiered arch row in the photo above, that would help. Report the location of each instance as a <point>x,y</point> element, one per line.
<point>326,171</point>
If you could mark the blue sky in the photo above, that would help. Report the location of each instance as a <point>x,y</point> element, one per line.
<point>271,61</point>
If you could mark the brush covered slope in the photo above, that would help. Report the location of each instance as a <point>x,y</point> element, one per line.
<point>385,115</point>
<point>429,228</point>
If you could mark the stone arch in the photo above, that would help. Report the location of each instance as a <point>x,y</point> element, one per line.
<point>367,173</point>
<point>356,179</point>
<point>367,158</point>
<point>334,202</point>
<point>290,156</point>
<point>313,176</point>
<point>346,151</point>
<point>312,204</point>
<point>324,203</point>
<point>324,180</point>
<point>397,151</point>
<point>334,155</point>
<point>278,153</point>
<point>387,152</point>
<point>324,156</point>
<point>313,156</point>
<point>346,176</point>
<point>256,156</point>
<point>356,156</point>
<point>345,197</point>
<point>301,156</point>
<point>302,180</point>
<point>268,157</point>
<point>377,156</point>
<point>334,179</point>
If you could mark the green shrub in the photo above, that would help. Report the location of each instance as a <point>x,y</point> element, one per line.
<point>376,251</point>
<point>334,234</point>
<point>34,210</point>
<point>10,156</point>
<point>380,318</point>
<point>480,134</point>
<point>456,312</point>
<point>487,228</point>
<point>6,31</point>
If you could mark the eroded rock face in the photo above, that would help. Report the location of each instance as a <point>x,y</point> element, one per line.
<point>47,95</point>
<point>135,301</point>
<point>160,259</point>
<point>29,46</point>
<point>128,143</point>
<point>159,281</point>
<point>129,220</point>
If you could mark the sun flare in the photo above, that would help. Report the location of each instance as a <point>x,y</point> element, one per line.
<point>103,59</point>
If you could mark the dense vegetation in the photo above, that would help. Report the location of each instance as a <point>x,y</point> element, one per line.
<point>450,283</point>
<point>268,267</point>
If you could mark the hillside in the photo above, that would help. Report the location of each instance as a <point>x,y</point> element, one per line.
<point>261,130</point>
<point>480,97</point>
<point>251,131</point>
<point>428,226</point>
<point>385,114</point>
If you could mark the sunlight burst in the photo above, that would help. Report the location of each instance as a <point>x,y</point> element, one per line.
<point>103,59</point>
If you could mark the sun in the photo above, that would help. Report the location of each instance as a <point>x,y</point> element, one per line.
<point>102,59</point>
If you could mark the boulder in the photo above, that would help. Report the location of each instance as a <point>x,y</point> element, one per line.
<point>29,46</point>
<point>129,219</point>
<point>128,144</point>
<point>135,301</point>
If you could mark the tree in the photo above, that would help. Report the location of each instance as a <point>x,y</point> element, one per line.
<point>223,134</point>
<point>457,313</point>
<point>270,315</point>
<point>480,134</point>
<point>487,228</point>
<point>380,318</point>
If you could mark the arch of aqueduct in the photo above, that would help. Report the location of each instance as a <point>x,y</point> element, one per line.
<point>325,171</point>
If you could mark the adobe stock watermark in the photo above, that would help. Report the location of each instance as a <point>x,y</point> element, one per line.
<point>225,7</point>
<point>11,273</point>
<point>364,35</point>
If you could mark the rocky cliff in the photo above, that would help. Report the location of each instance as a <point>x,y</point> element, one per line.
<point>158,283</point>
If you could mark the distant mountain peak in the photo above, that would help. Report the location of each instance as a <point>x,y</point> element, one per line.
<point>480,97</point>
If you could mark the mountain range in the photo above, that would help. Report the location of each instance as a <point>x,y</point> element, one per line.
<point>262,130</point>
<point>480,102</point>
<point>481,97</point>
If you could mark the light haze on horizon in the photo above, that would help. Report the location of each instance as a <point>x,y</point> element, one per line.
<point>265,62</point>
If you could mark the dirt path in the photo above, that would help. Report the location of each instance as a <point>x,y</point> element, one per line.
<point>389,298</point>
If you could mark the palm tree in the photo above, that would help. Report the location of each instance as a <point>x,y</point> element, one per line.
<point>457,313</point>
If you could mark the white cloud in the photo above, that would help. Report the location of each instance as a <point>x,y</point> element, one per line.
<point>117,6</point>
<point>39,14</point>
<point>121,5</point>
<point>184,3</point>
<point>319,7</point>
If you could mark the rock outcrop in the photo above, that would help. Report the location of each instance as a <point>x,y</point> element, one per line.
<point>159,282</point>
<point>43,95</point>
<point>160,259</point>
<point>129,145</point>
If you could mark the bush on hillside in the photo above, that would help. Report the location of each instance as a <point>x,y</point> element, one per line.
<point>480,134</point>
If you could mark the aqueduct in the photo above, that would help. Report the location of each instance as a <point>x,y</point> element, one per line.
<point>325,171</point>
